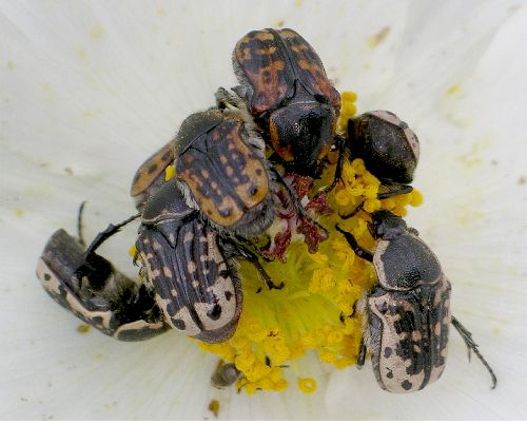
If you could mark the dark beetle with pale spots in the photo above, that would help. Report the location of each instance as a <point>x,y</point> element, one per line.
<point>407,313</point>
<point>190,282</point>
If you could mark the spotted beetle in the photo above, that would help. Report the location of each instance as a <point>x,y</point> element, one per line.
<point>102,296</point>
<point>189,275</point>
<point>219,161</point>
<point>407,313</point>
<point>287,91</point>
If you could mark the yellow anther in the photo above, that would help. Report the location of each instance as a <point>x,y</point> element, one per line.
<point>307,385</point>
<point>315,310</point>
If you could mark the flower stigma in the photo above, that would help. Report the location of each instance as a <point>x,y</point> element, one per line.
<point>315,311</point>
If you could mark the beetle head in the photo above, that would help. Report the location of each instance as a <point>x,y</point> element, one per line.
<point>386,226</point>
<point>301,133</point>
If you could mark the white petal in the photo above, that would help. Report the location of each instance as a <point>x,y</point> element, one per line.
<point>93,88</point>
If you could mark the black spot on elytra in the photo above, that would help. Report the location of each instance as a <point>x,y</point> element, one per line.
<point>389,374</point>
<point>179,324</point>
<point>387,352</point>
<point>267,361</point>
<point>47,276</point>
<point>215,312</point>
<point>406,385</point>
<point>258,172</point>
<point>152,168</point>
<point>228,295</point>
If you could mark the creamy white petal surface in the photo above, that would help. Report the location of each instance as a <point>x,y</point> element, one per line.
<point>89,90</point>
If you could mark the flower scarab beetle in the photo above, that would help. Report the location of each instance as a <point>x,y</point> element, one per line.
<point>219,161</point>
<point>388,147</point>
<point>287,91</point>
<point>92,289</point>
<point>407,314</point>
<point>189,277</point>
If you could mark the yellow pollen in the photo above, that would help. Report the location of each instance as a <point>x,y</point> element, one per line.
<point>170,172</point>
<point>316,310</point>
<point>132,251</point>
<point>348,109</point>
<point>307,385</point>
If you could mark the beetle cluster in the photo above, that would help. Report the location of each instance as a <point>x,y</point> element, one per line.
<point>240,165</point>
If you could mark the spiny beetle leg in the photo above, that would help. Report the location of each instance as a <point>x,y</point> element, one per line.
<point>253,258</point>
<point>110,230</point>
<point>361,357</point>
<point>390,190</point>
<point>473,347</point>
<point>358,250</point>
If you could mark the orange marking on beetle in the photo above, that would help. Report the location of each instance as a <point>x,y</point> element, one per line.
<point>151,169</point>
<point>260,35</point>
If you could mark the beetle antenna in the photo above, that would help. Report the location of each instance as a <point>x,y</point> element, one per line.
<point>473,346</point>
<point>110,230</point>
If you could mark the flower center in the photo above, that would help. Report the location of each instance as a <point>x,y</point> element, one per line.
<point>316,310</point>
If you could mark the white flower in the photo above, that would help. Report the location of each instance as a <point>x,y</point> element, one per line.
<point>89,90</point>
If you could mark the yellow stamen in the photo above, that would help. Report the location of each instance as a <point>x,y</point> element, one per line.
<point>307,385</point>
<point>316,310</point>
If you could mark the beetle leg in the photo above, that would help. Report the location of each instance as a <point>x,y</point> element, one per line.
<point>353,212</point>
<point>80,235</point>
<point>361,357</point>
<point>358,250</point>
<point>96,293</point>
<point>390,190</point>
<point>473,347</point>
<point>340,142</point>
<point>251,257</point>
<point>110,230</point>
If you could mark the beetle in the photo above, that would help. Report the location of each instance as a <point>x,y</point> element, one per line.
<point>287,91</point>
<point>219,160</point>
<point>407,313</point>
<point>389,148</point>
<point>188,271</point>
<point>102,296</point>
